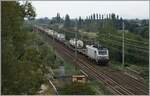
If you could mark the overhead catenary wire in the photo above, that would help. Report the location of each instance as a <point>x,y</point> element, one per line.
<point>127,43</point>
<point>127,53</point>
<point>127,39</point>
<point>143,43</point>
<point>130,40</point>
<point>117,43</point>
<point>131,45</point>
<point>132,48</point>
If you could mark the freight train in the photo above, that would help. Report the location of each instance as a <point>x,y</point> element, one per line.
<point>94,52</point>
<point>76,43</point>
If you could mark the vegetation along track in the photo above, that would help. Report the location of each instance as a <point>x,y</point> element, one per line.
<point>116,83</point>
<point>123,79</point>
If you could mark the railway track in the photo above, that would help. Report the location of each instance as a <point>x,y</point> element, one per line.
<point>123,79</point>
<point>117,89</point>
<point>128,82</point>
<point>123,88</point>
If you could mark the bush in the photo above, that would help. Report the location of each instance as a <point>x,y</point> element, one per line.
<point>76,89</point>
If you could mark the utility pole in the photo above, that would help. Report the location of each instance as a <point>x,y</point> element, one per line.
<point>76,44</point>
<point>123,45</point>
<point>53,41</point>
<point>103,27</point>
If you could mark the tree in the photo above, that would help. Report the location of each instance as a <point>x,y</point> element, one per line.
<point>58,18</point>
<point>28,10</point>
<point>97,16</point>
<point>91,17</point>
<point>117,17</point>
<point>17,72</point>
<point>107,16</point>
<point>94,17</point>
<point>102,16</point>
<point>67,22</point>
<point>79,22</point>
<point>113,16</point>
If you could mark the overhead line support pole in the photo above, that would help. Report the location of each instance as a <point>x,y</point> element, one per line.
<point>123,46</point>
<point>76,45</point>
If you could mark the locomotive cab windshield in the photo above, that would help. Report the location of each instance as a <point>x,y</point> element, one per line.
<point>102,52</point>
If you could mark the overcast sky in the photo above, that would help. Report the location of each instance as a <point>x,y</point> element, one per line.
<point>125,9</point>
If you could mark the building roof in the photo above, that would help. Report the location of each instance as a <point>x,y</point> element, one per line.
<point>78,76</point>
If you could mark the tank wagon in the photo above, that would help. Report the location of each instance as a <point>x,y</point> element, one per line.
<point>55,35</point>
<point>73,42</point>
<point>51,32</point>
<point>61,37</point>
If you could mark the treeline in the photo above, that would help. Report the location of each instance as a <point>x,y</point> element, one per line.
<point>92,23</point>
<point>24,54</point>
<point>89,24</point>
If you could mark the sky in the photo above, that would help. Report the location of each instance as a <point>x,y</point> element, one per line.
<point>125,9</point>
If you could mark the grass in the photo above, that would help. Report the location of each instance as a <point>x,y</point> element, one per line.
<point>116,65</point>
<point>142,70</point>
<point>89,34</point>
<point>99,88</point>
<point>70,69</point>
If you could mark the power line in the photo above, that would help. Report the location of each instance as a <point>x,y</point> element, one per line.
<point>127,40</point>
<point>127,53</point>
<point>135,47</point>
<point>129,43</point>
<point>119,44</point>
<point>130,39</point>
